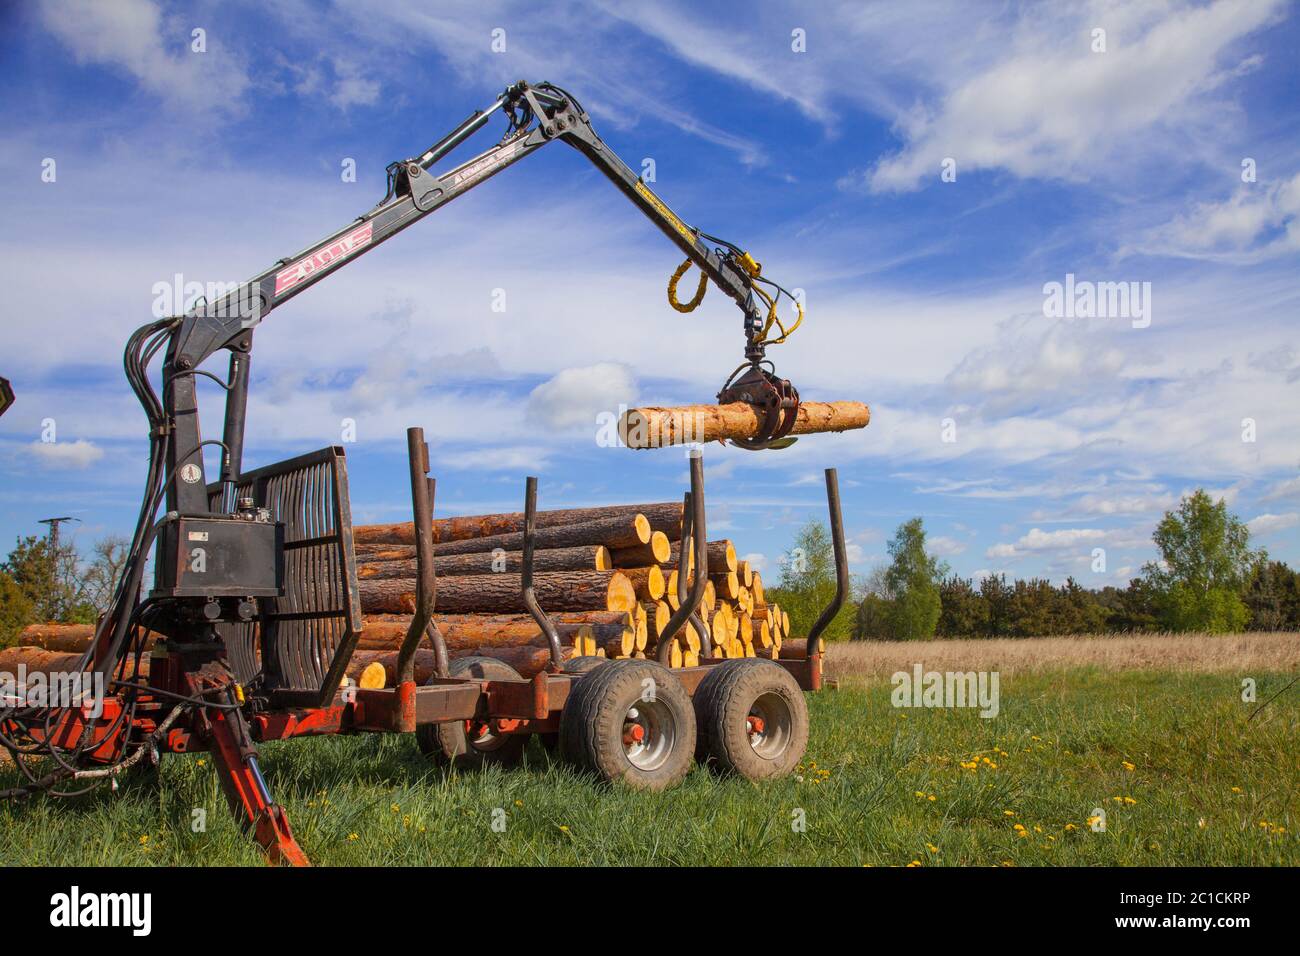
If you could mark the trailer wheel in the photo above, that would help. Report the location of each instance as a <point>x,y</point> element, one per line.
<point>753,719</point>
<point>468,744</point>
<point>575,665</point>
<point>630,721</point>
<point>580,665</point>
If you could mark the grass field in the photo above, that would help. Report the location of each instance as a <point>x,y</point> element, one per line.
<point>1169,754</point>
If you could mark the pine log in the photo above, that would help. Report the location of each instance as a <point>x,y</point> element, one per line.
<point>38,660</point>
<point>797,649</point>
<point>657,615</point>
<point>660,516</point>
<point>402,564</point>
<point>785,622</point>
<point>656,551</point>
<point>57,637</point>
<point>386,632</point>
<point>500,593</point>
<point>727,583</point>
<point>648,582</point>
<point>707,603</point>
<point>675,556</point>
<point>527,661</point>
<point>756,585</point>
<point>722,556</point>
<point>746,572</point>
<point>659,427</point>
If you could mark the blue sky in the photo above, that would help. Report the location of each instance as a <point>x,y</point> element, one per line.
<point>1114,157</point>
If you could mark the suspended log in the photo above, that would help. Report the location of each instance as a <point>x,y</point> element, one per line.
<point>648,582</point>
<point>445,530</point>
<point>618,532</point>
<point>402,564</point>
<point>500,593</point>
<point>656,551</point>
<point>660,427</point>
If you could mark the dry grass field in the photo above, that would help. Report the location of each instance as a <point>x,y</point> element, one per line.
<point>1246,654</point>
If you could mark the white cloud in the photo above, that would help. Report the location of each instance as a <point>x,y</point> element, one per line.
<point>1260,221</point>
<point>574,397</point>
<point>1287,488</point>
<point>1038,541</point>
<point>945,547</point>
<point>132,36</point>
<point>757,560</point>
<point>1054,108</point>
<point>66,455</point>
<point>1267,524</point>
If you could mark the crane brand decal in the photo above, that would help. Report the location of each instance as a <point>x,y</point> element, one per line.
<point>322,259</point>
<point>473,169</point>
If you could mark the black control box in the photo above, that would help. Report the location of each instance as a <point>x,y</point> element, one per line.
<point>219,556</point>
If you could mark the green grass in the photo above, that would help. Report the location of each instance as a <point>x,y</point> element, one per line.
<point>1059,745</point>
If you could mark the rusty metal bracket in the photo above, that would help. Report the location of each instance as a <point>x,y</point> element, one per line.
<point>690,603</point>
<point>841,567</point>
<point>422,493</point>
<point>526,578</point>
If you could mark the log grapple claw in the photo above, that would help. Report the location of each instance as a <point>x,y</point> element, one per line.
<point>774,400</point>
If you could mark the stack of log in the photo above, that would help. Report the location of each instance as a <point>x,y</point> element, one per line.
<point>606,576</point>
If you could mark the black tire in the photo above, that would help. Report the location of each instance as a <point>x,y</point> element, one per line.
<point>449,743</point>
<point>603,713</point>
<point>752,719</point>
<point>574,665</point>
<point>580,665</point>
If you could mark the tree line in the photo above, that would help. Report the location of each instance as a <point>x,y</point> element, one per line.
<point>1208,578</point>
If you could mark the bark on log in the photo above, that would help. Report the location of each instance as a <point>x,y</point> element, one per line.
<point>617,532</point>
<point>657,551</point>
<point>527,661</point>
<point>657,615</point>
<point>500,593</point>
<point>661,516</point>
<point>797,649</point>
<point>402,564</point>
<point>648,582</point>
<point>386,632</point>
<point>57,637</point>
<point>660,427</point>
<point>727,583</point>
<point>38,660</point>
<point>722,556</point>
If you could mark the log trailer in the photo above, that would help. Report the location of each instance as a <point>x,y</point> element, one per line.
<point>255,590</point>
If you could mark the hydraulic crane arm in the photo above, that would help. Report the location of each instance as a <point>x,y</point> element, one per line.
<point>538,115</point>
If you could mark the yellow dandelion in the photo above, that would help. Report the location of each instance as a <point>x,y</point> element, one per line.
<point>519,803</point>
<point>1129,766</point>
<point>352,837</point>
<point>144,840</point>
<point>1008,813</point>
<point>1130,801</point>
<point>932,848</point>
<point>914,863</point>
<point>1236,789</point>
